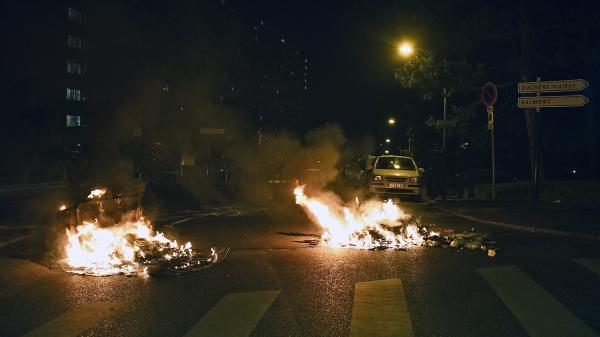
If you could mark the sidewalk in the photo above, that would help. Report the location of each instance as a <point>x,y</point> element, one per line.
<point>573,220</point>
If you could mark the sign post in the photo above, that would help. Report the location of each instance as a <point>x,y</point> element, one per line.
<point>489,95</point>
<point>538,101</point>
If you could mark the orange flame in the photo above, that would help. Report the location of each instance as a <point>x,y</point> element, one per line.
<point>97,193</point>
<point>114,250</point>
<point>368,225</point>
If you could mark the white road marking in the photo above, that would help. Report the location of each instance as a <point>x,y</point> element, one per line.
<point>76,321</point>
<point>178,222</point>
<point>17,239</point>
<point>20,227</point>
<point>235,315</point>
<point>380,309</point>
<point>540,313</point>
<point>592,264</point>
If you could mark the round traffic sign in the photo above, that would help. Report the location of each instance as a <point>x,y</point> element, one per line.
<point>489,94</point>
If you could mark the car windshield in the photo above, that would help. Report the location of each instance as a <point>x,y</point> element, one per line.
<point>395,163</point>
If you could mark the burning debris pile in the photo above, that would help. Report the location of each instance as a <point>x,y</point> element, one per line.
<point>127,247</point>
<point>379,225</point>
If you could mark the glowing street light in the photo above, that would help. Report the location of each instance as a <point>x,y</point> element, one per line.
<point>387,140</point>
<point>406,49</point>
<point>391,121</point>
<point>386,151</point>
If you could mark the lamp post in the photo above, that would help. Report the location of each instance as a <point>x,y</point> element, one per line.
<point>406,49</point>
<point>445,97</point>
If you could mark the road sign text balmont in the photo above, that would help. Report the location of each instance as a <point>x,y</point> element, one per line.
<point>552,101</point>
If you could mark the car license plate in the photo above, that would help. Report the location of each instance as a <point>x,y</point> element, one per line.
<point>396,185</point>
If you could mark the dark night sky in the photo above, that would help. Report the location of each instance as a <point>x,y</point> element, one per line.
<point>351,58</point>
<point>351,49</point>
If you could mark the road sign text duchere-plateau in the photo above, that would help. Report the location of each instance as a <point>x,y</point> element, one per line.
<point>552,86</point>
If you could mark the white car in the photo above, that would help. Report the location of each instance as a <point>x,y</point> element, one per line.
<point>394,175</point>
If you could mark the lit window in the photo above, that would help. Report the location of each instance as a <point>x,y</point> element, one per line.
<point>74,15</point>
<point>73,121</point>
<point>75,95</point>
<point>73,68</point>
<point>75,42</point>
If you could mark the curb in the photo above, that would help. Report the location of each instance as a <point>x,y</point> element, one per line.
<point>522,228</point>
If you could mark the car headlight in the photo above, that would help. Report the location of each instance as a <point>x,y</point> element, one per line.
<point>378,178</point>
<point>413,180</point>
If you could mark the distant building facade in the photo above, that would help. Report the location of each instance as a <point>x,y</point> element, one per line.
<point>44,91</point>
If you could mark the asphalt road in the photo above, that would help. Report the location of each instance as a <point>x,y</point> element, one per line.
<point>274,284</point>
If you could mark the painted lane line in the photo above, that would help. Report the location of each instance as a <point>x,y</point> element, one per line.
<point>592,264</point>
<point>178,222</point>
<point>540,314</point>
<point>20,227</point>
<point>380,309</point>
<point>17,239</point>
<point>76,321</point>
<point>236,315</point>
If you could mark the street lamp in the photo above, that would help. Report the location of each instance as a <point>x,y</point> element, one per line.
<point>391,121</point>
<point>387,140</point>
<point>405,49</point>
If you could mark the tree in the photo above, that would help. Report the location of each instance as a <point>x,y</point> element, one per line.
<point>431,76</point>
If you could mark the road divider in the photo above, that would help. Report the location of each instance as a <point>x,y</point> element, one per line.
<point>523,228</point>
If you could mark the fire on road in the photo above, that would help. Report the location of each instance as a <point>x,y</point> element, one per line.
<point>129,247</point>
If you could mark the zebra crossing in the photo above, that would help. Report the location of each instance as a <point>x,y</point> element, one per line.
<point>76,321</point>
<point>535,308</point>
<point>592,264</point>
<point>379,308</point>
<point>235,315</point>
